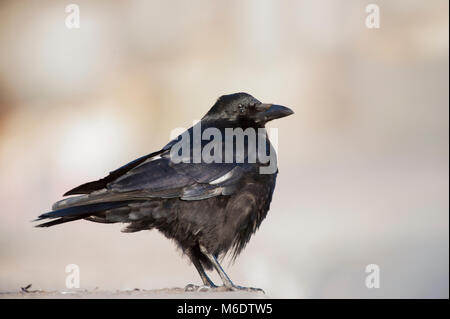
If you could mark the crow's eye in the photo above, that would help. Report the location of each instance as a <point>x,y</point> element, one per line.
<point>242,108</point>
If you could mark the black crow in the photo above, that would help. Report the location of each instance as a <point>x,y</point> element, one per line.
<point>208,201</point>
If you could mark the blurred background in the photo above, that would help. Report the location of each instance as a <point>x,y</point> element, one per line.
<point>363,162</point>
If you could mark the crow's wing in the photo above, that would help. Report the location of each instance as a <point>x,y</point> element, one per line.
<point>159,177</point>
<point>143,172</point>
<point>162,178</point>
<point>156,176</point>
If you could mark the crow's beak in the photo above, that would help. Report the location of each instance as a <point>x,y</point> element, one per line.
<point>269,112</point>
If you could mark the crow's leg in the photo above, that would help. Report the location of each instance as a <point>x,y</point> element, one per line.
<point>226,280</point>
<point>206,281</point>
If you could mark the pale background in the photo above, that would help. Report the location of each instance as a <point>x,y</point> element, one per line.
<point>363,162</point>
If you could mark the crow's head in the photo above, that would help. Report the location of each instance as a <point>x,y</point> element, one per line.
<point>244,109</point>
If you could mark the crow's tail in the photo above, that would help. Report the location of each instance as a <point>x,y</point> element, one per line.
<point>69,214</point>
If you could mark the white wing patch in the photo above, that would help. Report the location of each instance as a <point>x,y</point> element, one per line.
<point>153,159</point>
<point>223,178</point>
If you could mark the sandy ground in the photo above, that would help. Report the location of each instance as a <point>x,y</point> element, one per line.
<point>165,293</point>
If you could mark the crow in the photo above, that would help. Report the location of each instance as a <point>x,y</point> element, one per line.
<point>209,207</point>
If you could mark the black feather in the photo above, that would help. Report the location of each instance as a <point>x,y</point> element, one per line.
<point>78,212</point>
